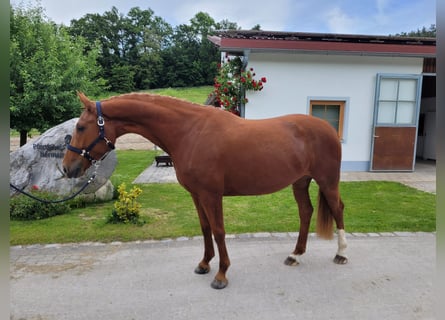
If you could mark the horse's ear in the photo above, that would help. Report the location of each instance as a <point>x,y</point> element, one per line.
<point>87,103</point>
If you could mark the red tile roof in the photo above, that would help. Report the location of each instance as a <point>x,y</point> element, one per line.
<point>240,40</point>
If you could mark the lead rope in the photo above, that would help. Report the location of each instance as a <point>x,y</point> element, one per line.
<point>87,183</point>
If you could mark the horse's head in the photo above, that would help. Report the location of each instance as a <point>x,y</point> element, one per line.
<point>88,142</point>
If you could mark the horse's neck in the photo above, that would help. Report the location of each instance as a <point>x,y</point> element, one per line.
<point>164,121</point>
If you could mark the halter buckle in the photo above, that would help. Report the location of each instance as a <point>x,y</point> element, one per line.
<point>100,121</point>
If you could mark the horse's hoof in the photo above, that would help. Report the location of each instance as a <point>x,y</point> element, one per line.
<point>219,284</point>
<point>340,259</point>
<point>201,270</point>
<point>291,261</point>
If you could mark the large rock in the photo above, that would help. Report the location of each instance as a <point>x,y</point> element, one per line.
<point>39,164</point>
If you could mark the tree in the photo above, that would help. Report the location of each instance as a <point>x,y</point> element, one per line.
<point>140,50</point>
<point>192,59</point>
<point>133,41</point>
<point>225,25</point>
<point>46,69</point>
<point>147,35</point>
<point>424,32</point>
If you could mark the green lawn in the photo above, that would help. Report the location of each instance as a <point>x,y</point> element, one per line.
<point>196,94</point>
<point>371,206</point>
<point>193,94</point>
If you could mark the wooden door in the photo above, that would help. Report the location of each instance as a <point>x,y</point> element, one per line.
<point>395,123</point>
<point>394,148</point>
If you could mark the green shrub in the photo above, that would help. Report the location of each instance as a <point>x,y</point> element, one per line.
<point>126,208</point>
<point>22,207</point>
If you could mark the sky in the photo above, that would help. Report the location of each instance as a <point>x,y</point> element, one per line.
<point>369,17</point>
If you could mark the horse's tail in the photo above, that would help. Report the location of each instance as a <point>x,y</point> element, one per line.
<point>325,218</point>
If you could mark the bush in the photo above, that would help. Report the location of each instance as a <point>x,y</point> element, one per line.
<point>231,83</point>
<point>126,208</point>
<point>22,207</point>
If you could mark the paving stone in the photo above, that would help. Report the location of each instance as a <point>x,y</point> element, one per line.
<point>262,235</point>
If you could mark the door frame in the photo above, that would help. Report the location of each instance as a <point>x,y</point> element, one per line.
<point>375,124</point>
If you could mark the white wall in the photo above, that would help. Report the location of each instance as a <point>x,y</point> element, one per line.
<point>294,79</point>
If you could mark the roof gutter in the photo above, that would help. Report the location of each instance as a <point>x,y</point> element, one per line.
<point>323,47</point>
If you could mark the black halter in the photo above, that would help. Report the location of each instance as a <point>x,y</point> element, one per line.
<point>86,152</point>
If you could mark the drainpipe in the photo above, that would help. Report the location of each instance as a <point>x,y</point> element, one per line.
<point>243,91</point>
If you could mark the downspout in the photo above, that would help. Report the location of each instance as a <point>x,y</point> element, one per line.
<point>242,106</point>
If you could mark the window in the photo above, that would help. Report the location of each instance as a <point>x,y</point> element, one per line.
<point>397,101</point>
<point>331,111</point>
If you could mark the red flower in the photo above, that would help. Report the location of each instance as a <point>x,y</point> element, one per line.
<point>35,187</point>
<point>230,81</point>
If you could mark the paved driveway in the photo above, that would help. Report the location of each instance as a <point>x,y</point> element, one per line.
<point>389,276</point>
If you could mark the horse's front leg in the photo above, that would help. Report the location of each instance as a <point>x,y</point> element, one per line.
<point>209,252</point>
<point>212,213</point>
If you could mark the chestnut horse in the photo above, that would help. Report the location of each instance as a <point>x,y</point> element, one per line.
<point>216,154</point>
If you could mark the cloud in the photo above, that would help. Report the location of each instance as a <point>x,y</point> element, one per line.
<point>381,16</point>
<point>340,22</point>
<point>381,5</point>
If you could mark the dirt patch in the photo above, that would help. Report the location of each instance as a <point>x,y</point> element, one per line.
<point>132,141</point>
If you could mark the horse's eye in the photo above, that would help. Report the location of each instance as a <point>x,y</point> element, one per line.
<point>80,128</point>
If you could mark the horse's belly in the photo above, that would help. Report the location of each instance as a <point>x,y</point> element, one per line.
<point>256,182</point>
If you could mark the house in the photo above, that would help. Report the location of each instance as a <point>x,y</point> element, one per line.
<point>377,91</point>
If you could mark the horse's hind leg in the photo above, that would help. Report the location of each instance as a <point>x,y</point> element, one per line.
<point>305,209</point>
<point>331,196</point>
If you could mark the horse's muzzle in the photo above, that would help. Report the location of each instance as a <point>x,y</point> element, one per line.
<point>74,171</point>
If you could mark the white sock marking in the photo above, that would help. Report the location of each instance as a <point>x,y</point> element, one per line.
<point>342,244</point>
<point>295,257</point>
